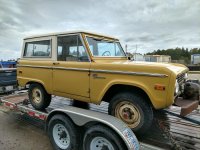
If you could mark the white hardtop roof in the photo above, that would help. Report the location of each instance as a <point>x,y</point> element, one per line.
<point>69,32</point>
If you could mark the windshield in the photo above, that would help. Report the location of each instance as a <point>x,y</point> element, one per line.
<point>103,48</point>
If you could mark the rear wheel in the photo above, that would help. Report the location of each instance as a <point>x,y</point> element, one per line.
<point>62,133</point>
<point>38,97</point>
<point>133,110</point>
<point>102,138</point>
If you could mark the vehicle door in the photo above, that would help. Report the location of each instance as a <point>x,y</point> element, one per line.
<point>71,70</point>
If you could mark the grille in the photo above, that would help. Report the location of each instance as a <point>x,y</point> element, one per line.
<point>181,78</point>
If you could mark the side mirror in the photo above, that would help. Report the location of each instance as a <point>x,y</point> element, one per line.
<point>129,58</point>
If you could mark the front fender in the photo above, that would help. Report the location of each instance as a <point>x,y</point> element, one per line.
<point>157,98</point>
<point>120,82</point>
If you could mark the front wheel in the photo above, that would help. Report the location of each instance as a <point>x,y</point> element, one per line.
<point>133,110</point>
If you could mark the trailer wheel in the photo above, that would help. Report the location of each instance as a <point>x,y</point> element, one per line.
<point>62,133</point>
<point>38,96</point>
<point>133,110</point>
<point>102,138</point>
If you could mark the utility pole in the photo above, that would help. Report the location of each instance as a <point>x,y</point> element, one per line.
<point>135,50</point>
<point>126,47</point>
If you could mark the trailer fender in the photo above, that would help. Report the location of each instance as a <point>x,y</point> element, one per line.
<point>82,117</point>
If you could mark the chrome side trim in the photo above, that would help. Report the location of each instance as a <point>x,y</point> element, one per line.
<point>32,66</point>
<point>59,68</point>
<point>130,73</point>
<point>71,69</point>
<point>100,71</point>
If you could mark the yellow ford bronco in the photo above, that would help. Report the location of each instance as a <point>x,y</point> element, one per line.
<point>92,68</point>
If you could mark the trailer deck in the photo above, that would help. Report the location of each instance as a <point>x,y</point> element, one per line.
<point>168,130</point>
<point>181,133</point>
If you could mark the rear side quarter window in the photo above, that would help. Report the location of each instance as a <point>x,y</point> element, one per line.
<point>38,49</point>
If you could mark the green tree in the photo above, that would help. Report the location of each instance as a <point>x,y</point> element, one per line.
<point>177,53</point>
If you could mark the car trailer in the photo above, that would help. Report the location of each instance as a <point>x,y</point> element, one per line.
<point>74,128</point>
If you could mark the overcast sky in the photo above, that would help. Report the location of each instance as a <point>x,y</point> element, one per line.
<point>151,24</point>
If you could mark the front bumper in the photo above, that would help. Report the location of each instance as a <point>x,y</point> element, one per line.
<point>190,97</point>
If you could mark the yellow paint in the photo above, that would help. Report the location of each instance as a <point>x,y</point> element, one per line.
<point>80,84</point>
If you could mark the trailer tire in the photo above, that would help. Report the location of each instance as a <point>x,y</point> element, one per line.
<point>38,96</point>
<point>63,133</point>
<point>102,137</point>
<point>133,110</point>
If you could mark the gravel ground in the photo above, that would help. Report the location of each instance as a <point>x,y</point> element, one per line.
<point>17,134</point>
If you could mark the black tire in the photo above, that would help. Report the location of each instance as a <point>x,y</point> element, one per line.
<point>70,128</point>
<point>44,99</point>
<point>140,122</point>
<point>100,131</point>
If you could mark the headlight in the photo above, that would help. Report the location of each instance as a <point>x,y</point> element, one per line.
<point>176,88</point>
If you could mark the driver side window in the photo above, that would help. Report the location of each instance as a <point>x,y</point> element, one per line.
<point>70,48</point>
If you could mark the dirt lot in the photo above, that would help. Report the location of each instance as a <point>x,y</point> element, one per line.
<point>18,134</point>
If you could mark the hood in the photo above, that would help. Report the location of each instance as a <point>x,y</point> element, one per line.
<point>149,67</point>
<point>174,67</point>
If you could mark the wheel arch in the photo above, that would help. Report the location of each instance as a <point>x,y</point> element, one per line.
<point>118,88</point>
<point>37,82</point>
<point>86,122</point>
<point>53,114</point>
<point>95,123</point>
